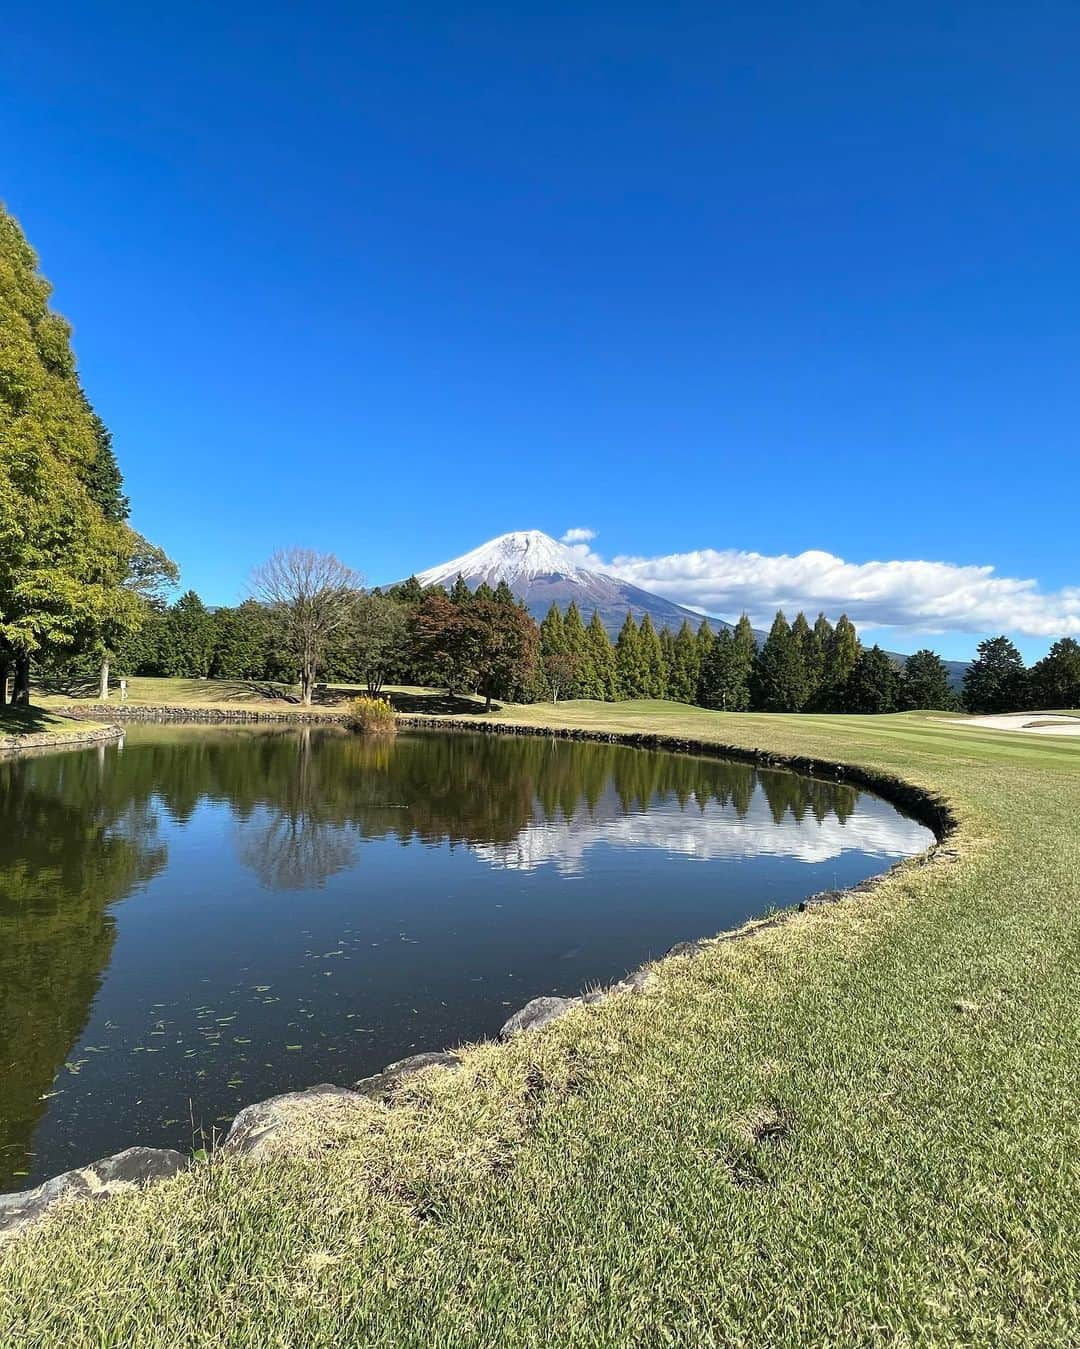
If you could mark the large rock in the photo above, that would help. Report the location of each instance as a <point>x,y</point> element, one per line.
<point>540,1012</point>
<point>254,1130</point>
<point>379,1085</point>
<point>127,1170</point>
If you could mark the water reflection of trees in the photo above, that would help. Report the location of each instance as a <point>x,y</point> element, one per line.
<point>80,831</point>
<point>70,844</point>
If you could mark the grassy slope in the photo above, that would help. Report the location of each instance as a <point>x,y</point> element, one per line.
<point>40,720</point>
<point>859,1127</point>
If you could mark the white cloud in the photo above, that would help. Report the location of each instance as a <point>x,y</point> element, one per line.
<point>578,535</point>
<point>923,596</point>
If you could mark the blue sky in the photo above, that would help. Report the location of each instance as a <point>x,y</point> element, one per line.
<point>725,285</point>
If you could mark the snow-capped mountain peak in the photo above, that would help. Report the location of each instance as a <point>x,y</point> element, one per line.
<point>542,572</point>
<point>516,558</point>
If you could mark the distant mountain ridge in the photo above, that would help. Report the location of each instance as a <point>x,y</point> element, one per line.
<point>542,572</point>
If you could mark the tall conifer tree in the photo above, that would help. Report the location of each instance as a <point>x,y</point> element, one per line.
<point>629,674</point>
<point>602,659</point>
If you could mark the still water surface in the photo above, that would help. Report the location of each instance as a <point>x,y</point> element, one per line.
<point>195,919</point>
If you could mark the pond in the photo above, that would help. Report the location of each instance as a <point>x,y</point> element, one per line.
<point>194,919</point>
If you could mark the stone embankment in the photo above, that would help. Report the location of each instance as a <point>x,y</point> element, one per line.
<point>261,1128</point>
<point>15,744</point>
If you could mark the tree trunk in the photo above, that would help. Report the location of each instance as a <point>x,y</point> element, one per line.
<point>105,679</point>
<point>487,705</point>
<point>20,694</point>
<point>307,681</point>
<point>5,669</point>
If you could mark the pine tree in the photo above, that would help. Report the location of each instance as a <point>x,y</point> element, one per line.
<point>803,637</point>
<point>840,657</point>
<point>187,642</point>
<point>778,683</point>
<point>602,659</point>
<point>814,649</point>
<point>873,684</point>
<point>925,683</point>
<point>705,644</point>
<point>504,594</point>
<point>996,681</point>
<point>1055,680</point>
<point>685,673</point>
<point>667,657</point>
<point>577,645</point>
<point>483,592</point>
<point>629,672</point>
<point>460,593</point>
<point>557,661</point>
<point>654,684</point>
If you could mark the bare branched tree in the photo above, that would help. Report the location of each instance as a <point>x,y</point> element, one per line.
<point>314,594</point>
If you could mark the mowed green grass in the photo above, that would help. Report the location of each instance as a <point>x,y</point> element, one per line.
<point>19,721</point>
<point>857,1127</point>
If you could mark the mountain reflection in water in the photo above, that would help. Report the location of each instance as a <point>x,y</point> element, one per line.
<point>306,905</point>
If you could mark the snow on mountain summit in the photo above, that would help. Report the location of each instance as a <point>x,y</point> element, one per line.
<point>543,572</point>
<point>515,558</point>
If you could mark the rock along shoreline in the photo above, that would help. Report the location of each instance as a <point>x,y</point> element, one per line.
<point>254,1127</point>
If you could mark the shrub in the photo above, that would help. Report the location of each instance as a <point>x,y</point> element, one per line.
<point>371,716</point>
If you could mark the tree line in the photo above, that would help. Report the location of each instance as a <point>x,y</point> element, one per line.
<point>486,642</point>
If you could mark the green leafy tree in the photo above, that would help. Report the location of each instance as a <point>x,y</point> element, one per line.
<point>187,641</point>
<point>1055,680</point>
<point>505,647</point>
<point>378,636</point>
<point>241,640</point>
<point>925,682</point>
<point>460,592</point>
<point>996,681</point>
<point>64,546</point>
<point>873,684</point>
<point>558,662</point>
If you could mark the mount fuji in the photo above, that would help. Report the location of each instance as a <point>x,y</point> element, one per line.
<point>542,572</point>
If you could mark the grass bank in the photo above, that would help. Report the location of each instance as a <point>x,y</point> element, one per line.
<point>32,724</point>
<point>857,1127</point>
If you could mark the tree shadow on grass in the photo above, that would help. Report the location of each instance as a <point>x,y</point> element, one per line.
<point>437,704</point>
<point>24,720</point>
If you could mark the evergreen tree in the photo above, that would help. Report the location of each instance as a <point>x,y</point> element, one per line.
<point>629,671</point>
<point>577,645</point>
<point>460,593</point>
<point>504,594</point>
<point>187,641</point>
<point>996,681</point>
<point>803,636</point>
<point>873,684</point>
<point>558,663</point>
<point>925,683</point>
<point>840,656</point>
<point>685,674</point>
<point>815,645</point>
<point>705,644</point>
<point>241,637</point>
<point>1055,680</point>
<point>483,592</point>
<point>653,681</point>
<point>723,685</point>
<point>601,659</point>
<point>778,683</point>
<point>667,657</point>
